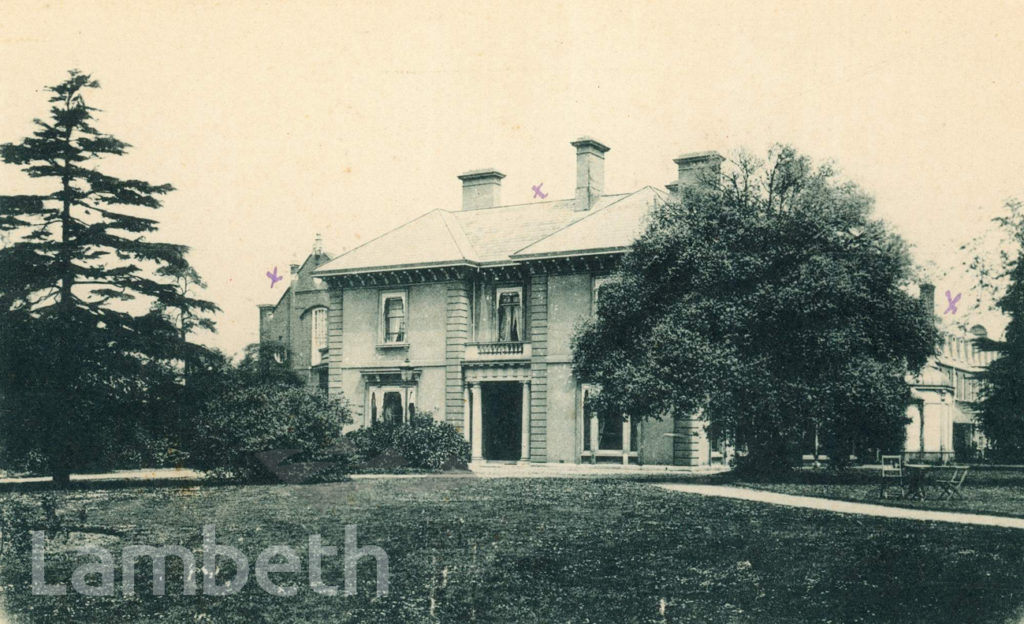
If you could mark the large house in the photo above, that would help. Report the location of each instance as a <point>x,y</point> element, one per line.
<point>468,314</point>
<point>943,424</point>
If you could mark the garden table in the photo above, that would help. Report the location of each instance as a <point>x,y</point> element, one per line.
<point>919,478</point>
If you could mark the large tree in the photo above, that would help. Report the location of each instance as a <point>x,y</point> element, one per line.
<point>85,296</point>
<point>769,301</point>
<point>997,267</point>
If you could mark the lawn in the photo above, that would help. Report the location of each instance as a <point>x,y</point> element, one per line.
<point>538,550</point>
<point>986,491</point>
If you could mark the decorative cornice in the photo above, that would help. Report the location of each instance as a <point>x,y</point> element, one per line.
<point>401,277</point>
<point>604,261</point>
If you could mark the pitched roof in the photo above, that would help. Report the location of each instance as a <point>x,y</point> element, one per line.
<point>304,280</point>
<point>607,229</point>
<point>501,235</point>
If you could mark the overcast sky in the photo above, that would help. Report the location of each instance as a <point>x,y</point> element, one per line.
<point>278,120</point>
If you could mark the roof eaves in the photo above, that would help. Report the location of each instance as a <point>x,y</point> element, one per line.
<point>573,253</point>
<point>397,267</point>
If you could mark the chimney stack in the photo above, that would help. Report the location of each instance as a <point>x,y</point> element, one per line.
<point>697,167</point>
<point>481,189</point>
<point>318,245</point>
<point>589,172</point>
<point>927,298</point>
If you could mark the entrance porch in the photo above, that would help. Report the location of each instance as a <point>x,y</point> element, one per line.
<point>497,418</point>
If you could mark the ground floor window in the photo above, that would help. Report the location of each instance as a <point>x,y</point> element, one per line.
<point>390,404</point>
<point>606,434</point>
<point>392,410</point>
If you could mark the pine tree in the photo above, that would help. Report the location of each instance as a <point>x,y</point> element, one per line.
<point>75,284</point>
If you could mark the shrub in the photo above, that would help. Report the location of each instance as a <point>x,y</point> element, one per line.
<point>422,443</point>
<point>236,426</point>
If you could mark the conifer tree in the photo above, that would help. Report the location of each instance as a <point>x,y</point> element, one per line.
<point>85,296</point>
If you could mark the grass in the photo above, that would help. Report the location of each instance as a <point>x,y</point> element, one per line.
<point>538,550</point>
<point>986,491</point>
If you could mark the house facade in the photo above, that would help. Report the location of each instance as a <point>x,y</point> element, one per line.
<point>942,423</point>
<point>468,314</point>
<point>296,326</point>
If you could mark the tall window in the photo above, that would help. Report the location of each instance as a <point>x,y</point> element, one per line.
<point>510,315</point>
<point>610,429</point>
<point>393,317</point>
<point>318,342</point>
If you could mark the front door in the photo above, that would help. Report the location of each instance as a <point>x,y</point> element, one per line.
<point>502,404</point>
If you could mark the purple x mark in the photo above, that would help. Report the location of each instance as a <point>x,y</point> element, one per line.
<point>536,191</point>
<point>274,277</point>
<point>952,302</point>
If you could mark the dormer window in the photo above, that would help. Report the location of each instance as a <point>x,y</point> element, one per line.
<point>393,316</point>
<point>510,314</point>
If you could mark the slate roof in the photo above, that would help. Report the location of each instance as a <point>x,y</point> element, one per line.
<point>502,235</point>
<point>611,228</point>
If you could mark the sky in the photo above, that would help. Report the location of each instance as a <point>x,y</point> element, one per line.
<point>278,120</point>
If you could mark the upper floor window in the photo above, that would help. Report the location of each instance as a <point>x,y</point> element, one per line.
<point>318,340</point>
<point>510,314</point>
<point>393,315</point>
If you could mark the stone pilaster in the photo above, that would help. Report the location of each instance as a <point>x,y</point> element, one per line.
<point>539,368</point>
<point>456,335</point>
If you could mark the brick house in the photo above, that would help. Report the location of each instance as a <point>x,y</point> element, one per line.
<point>296,326</point>
<point>469,313</point>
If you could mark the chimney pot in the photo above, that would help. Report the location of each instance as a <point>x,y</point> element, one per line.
<point>481,189</point>
<point>589,171</point>
<point>696,167</point>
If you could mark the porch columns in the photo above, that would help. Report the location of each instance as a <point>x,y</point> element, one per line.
<point>465,413</point>
<point>524,456</point>
<point>626,430</point>
<point>478,421</point>
<point>593,438</point>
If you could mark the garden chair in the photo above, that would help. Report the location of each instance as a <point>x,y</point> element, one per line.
<point>951,485</point>
<point>892,474</point>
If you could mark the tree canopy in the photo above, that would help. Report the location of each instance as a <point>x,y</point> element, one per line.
<point>101,310</point>
<point>769,301</point>
<point>1001,411</point>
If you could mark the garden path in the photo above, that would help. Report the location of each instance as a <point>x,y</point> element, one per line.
<point>827,504</point>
